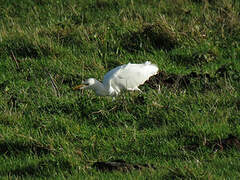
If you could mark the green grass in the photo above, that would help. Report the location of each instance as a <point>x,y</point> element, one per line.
<point>48,131</point>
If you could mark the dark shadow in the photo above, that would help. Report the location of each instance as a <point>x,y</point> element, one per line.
<point>120,165</point>
<point>193,56</point>
<point>177,173</point>
<point>194,142</point>
<point>225,143</point>
<point>22,46</point>
<point>58,108</point>
<point>44,168</point>
<point>151,36</point>
<point>17,148</point>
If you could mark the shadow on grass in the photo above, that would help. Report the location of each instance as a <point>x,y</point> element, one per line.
<point>194,142</point>
<point>44,168</point>
<point>178,173</point>
<point>17,148</point>
<point>195,55</point>
<point>58,108</point>
<point>151,36</point>
<point>23,46</point>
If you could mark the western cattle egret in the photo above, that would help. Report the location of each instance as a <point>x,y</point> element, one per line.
<point>125,77</point>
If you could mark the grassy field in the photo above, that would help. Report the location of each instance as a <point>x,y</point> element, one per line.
<point>186,123</point>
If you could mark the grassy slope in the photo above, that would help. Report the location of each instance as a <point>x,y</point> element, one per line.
<point>55,132</point>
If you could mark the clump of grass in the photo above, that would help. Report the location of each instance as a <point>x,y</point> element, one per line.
<point>24,46</point>
<point>158,35</point>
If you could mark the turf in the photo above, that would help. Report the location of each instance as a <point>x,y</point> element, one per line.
<point>185,122</point>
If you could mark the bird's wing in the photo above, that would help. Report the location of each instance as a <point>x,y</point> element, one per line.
<point>136,74</point>
<point>130,76</point>
<point>110,76</point>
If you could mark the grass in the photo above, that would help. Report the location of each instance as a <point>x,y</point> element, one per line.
<point>185,128</point>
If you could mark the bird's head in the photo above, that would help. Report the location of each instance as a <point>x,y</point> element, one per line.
<point>87,84</point>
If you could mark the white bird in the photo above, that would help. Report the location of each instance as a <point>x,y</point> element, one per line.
<point>125,77</point>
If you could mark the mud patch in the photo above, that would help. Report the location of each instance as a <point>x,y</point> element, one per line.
<point>15,148</point>
<point>174,80</point>
<point>120,165</point>
<point>183,81</point>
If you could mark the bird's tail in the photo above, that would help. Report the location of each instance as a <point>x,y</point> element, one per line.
<point>154,69</point>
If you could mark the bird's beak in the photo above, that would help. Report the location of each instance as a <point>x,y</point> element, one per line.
<point>81,86</point>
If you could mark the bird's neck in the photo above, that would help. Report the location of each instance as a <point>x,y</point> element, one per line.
<point>100,89</point>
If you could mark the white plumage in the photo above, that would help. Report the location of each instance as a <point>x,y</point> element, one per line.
<point>125,77</point>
